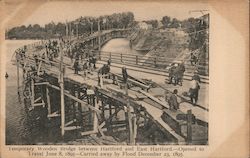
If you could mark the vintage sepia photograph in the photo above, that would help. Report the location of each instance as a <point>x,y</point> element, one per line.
<point>97,73</point>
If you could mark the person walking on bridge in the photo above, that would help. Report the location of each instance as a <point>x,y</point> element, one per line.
<point>194,89</point>
<point>193,59</point>
<point>172,100</point>
<point>76,66</point>
<point>124,74</point>
<point>171,73</point>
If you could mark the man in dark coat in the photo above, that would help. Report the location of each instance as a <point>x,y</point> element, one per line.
<point>179,74</point>
<point>124,74</point>
<point>193,59</point>
<point>76,66</point>
<point>171,73</point>
<point>173,103</point>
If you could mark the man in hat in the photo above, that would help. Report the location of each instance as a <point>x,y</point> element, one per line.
<point>171,73</point>
<point>173,103</point>
<point>76,66</point>
<point>124,74</point>
<point>194,89</point>
<point>193,59</point>
<point>196,76</point>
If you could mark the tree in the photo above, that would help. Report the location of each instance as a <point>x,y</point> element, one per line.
<point>175,23</point>
<point>166,20</point>
<point>154,23</point>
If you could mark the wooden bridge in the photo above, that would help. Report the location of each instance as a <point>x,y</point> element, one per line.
<point>102,106</point>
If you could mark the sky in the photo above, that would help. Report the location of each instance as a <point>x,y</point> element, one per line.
<point>60,11</point>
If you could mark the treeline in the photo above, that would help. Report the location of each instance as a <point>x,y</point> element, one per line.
<point>197,29</point>
<point>82,25</point>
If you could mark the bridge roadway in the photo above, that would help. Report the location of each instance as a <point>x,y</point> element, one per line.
<point>152,107</point>
<point>200,111</point>
<point>154,103</point>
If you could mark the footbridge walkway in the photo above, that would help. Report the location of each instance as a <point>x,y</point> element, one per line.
<point>102,106</point>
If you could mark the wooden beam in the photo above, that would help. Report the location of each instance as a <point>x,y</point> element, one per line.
<point>48,100</point>
<point>101,131</point>
<point>189,126</point>
<point>32,92</point>
<point>103,123</point>
<point>70,122</point>
<point>70,128</point>
<point>18,83</point>
<point>76,99</point>
<point>41,83</point>
<point>164,104</point>
<point>88,132</point>
<point>54,114</point>
<point>95,122</point>
<point>37,99</point>
<point>38,104</point>
<point>39,67</point>
<point>134,129</point>
<point>133,82</point>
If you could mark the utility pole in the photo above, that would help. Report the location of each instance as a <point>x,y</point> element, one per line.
<point>61,82</point>
<point>67,30</point>
<point>91,27</point>
<point>77,34</point>
<point>129,117</point>
<point>17,64</point>
<point>99,39</point>
<point>91,31</point>
<point>70,32</point>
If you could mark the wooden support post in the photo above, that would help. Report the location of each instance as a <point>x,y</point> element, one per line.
<point>134,130</point>
<point>129,116</point>
<point>61,82</point>
<point>121,57</point>
<point>79,104</point>
<point>76,104</point>
<point>76,99</point>
<point>103,110</point>
<point>18,83</point>
<point>136,60</point>
<point>189,126</point>
<point>32,92</point>
<point>48,100</point>
<point>92,103</point>
<point>110,116</point>
<point>155,62</point>
<point>95,122</point>
<point>101,80</point>
<point>99,40</point>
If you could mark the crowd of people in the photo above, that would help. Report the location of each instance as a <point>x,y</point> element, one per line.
<point>83,59</point>
<point>176,73</point>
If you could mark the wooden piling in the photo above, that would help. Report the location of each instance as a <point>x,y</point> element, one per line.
<point>32,92</point>
<point>61,82</point>
<point>18,83</point>
<point>95,121</point>
<point>129,117</point>
<point>99,39</point>
<point>48,100</point>
<point>189,126</point>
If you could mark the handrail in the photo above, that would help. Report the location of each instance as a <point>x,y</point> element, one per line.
<point>124,58</point>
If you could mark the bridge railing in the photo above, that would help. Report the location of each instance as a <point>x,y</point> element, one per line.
<point>151,62</point>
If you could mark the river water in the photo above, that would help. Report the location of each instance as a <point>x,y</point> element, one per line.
<point>19,129</point>
<point>17,124</point>
<point>120,45</point>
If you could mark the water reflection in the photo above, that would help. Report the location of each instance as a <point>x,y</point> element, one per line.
<point>120,45</point>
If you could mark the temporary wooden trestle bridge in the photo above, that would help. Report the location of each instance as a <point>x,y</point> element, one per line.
<point>102,106</point>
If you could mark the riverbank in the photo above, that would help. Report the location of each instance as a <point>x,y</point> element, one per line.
<point>165,45</point>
